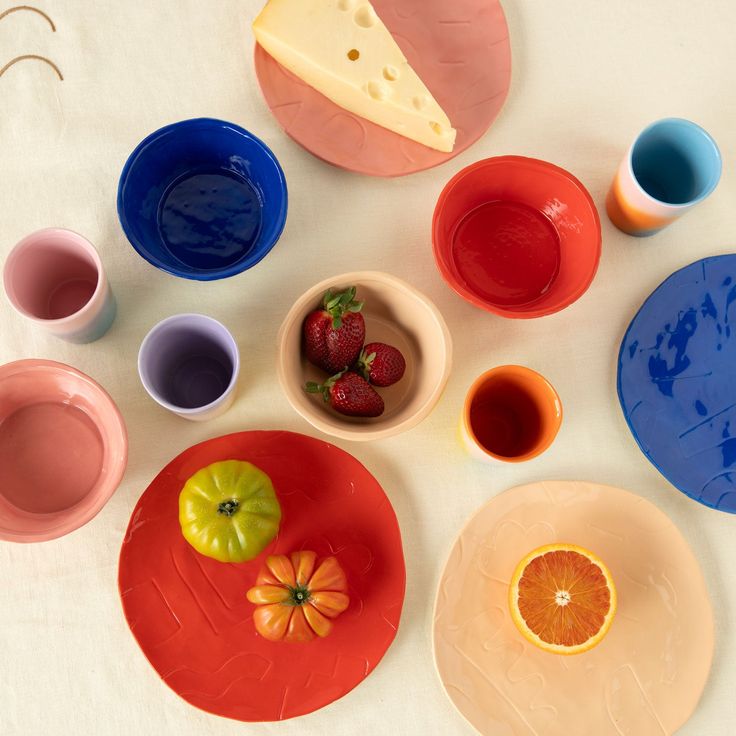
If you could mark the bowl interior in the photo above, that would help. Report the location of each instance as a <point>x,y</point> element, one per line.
<point>202,198</point>
<point>62,449</point>
<point>394,314</point>
<point>517,236</point>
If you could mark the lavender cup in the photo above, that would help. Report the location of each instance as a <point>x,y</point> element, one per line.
<point>189,364</point>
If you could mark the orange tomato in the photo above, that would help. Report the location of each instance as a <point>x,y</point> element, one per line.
<point>297,599</point>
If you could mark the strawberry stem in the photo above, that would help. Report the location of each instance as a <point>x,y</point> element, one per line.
<point>322,388</point>
<point>336,304</point>
<point>364,363</point>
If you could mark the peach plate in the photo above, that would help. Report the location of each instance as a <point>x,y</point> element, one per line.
<point>644,679</point>
<point>461,51</point>
<point>395,313</point>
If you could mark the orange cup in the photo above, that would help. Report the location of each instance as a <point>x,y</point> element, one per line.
<point>511,414</point>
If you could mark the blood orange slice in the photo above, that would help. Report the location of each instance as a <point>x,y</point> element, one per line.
<point>562,598</point>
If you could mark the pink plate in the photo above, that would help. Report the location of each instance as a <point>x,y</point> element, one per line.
<point>190,615</point>
<point>461,51</point>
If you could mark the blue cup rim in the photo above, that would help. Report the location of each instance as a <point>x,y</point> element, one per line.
<point>690,124</point>
<point>247,262</point>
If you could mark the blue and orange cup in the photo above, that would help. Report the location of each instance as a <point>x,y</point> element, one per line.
<point>511,414</point>
<point>54,278</point>
<point>672,166</point>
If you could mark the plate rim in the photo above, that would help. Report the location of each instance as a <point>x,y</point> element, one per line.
<point>606,487</point>
<point>126,541</point>
<point>363,171</point>
<point>619,390</point>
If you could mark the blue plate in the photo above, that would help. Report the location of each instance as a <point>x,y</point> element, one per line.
<point>202,199</point>
<point>677,380</point>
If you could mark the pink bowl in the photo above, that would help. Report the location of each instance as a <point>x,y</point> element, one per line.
<point>63,449</point>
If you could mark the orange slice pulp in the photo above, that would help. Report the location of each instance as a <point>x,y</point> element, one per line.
<point>562,598</point>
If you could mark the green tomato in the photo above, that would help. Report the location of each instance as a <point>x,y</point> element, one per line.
<point>229,511</point>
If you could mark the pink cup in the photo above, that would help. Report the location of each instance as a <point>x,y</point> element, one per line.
<point>54,277</point>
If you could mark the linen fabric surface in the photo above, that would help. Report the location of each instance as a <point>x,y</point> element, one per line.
<point>587,77</point>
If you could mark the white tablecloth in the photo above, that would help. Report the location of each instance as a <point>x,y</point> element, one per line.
<point>586,77</point>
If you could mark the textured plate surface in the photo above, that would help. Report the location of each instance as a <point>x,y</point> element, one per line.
<point>460,50</point>
<point>189,613</point>
<point>676,380</point>
<point>647,675</point>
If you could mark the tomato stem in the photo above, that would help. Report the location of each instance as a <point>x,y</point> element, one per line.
<point>299,595</point>
<point>228,508</point>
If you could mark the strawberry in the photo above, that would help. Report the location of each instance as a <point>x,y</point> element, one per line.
<point>381,364</point>
<point>350,394</point>
<point>334,334</point>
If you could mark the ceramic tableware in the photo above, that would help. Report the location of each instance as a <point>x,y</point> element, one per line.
<point>63,449</point>
<point>671,166</point>
<point>676,380</point>
<point>190,615</point>
<point>189,364</point>
<point>395,313</point>
<point>516,236</point>
<point>55,278</point>
<point>463,55</point>
<point>511,414</point>
<point>202,199</point>
<point>645,677</point>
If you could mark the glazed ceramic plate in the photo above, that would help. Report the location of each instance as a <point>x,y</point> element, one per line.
<point>189,613</point>
<point>460,50</point>
<point>676,380</point>
<point>643,679</point>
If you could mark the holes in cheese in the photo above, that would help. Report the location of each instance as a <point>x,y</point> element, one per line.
<point>365,16</point>
<point>320,42</point>
<point>378,90</point>
<point>390,73</point>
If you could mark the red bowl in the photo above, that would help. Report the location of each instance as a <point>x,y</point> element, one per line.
<point>517,236</point>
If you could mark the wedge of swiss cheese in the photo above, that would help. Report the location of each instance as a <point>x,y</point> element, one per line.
<point>343,50</point>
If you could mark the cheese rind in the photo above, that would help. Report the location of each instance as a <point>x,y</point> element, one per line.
<point>344,50</point>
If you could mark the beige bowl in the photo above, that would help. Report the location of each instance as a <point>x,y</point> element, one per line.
<point>395,313</point>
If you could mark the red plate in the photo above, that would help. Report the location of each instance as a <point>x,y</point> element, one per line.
<point>461,51</point>
<point>189,613</point>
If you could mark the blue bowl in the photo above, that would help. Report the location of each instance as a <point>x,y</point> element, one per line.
<point>202,199</point>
